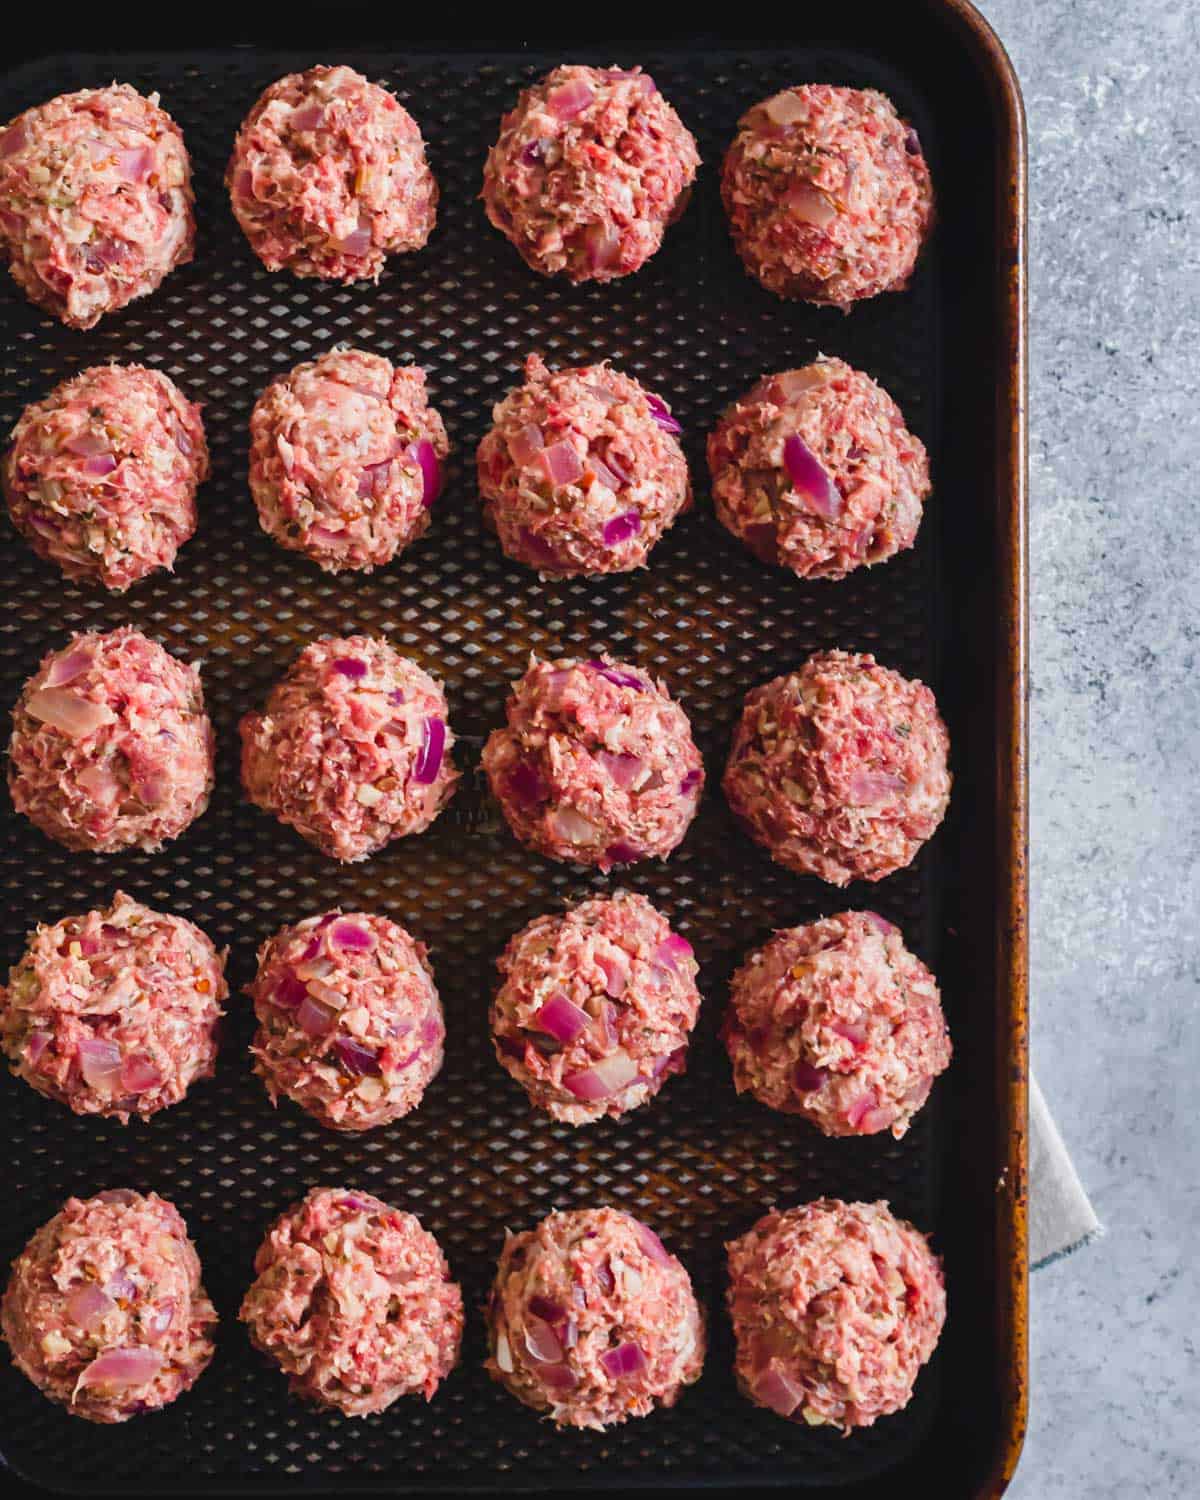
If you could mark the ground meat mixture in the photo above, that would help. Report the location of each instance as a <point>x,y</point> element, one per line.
<point>328,177</point>
<point>582,471</point>
<point>828,195</point>
<point>596,764</point>
<point>95,201</point>
<point>837,1021</point>
<point>349,1021</point>
<point>111,746</point>
<point>114,1012</point>
<point>590,168</point>
<point>835,1308</point>
<point>839,769</point>
<point>345,459</point>
<point>355,1303</point>
<point>104,1310</point>
<point>815,470</point>
<point>354,749</point>
<point>101,477</point>
<point>596,1007</point>
<point>592,1320</point>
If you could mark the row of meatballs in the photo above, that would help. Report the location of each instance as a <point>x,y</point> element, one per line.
<point>591,1320</point>
<point>826,189</point>
<point>838,769</point>
<point>581,473</point>
<point>115,1012</point>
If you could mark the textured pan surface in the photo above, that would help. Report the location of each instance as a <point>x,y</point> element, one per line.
<point>697,1164</point>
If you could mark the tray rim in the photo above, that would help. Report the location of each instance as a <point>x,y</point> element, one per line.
<point>982,45</point>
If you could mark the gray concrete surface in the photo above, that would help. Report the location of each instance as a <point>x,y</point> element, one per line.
<point>1114,142</point>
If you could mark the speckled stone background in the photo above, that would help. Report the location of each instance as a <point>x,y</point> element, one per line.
<point>1114,155</point>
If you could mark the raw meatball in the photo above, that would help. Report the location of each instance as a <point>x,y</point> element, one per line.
<point>95,201</point>
<point>345,459</point>
<point>837,1021</point>
<point>104,1310</point>
<point>839,769</point>
<point>101,477</point>
<point>596,1007</point>
<point>835,1308</point>
<point>354,1301</point>
<point>591,1320</point>
<point>349,1021</point>
<point>354,749</point>
<point>828,195</point>
<point>114,1012</point>
<point>328,177</point>
<point>815,470</point>
<point>111,746</point>
<point>582,472</point>
<point>596,764</point>
<point>589,170</point>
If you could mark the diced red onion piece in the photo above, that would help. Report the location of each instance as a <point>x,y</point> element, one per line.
<point>350,666</point>
<point>617,464</point>
<point>289,992</point>
<point>314,1018</point>
<point>100,1064</point>
<point>134,165</point>
<point>570,99</point>
<point>121,1368</point>
<point>510,1046</point>
<point>785,108</point>
<point>525,783</point>
<point>619,676</point>
<point>603,474</point>
<point>561,463</point>
<point>673,949</point>
<point>877,1119</point>
<point>562,1019</point>
<point>525,445</point>
<point>658,410</point>
<point>652,1245</point>
<point>558,1377</point>
<point>87,444</point>
<point>307,117</point>
<point>357,242</point>
<point>691,781</point>
<point>853,1031</point>
<point>773,1388</point>
<point>669,1062</point>
<point>351,935</point>
<point>121,1285</point>
<point>534,152</point>
<point>810,205</point>
<point>615,968</point>
<point>549,1311</point>
<point>67,667</point>
<point>98,467</point>
<point>429,757</point>
<point>621,528</point>
<point>623,769</point>
<point>603,1079</point>
<point>806,1079</point>
<point>625,1359</point>
<point>362,1061</point>
<point>14,139</point>
<point>38,1042</point>
<point>622,853</point>
<point>574,827</point>
<point>859,1110</point>
<point>88,1305</point>
<point>431,471</point>
<point>810,480</point>
<point>868,788</point>
<point>543,1343</point>
<point>139,1074</point>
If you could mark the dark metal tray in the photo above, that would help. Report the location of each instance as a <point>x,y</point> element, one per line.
<point>698,1164</point>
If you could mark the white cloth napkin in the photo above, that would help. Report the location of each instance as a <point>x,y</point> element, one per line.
<point>1061,1219</point>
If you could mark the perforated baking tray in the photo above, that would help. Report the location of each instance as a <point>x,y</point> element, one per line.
<point>698,1164</point>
